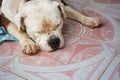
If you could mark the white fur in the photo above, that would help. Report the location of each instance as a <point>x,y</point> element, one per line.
<point>46,10</point>
<point>9,9</point>
<point>34,12</point>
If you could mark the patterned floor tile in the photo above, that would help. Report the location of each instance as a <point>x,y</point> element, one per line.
<point>89,54</point>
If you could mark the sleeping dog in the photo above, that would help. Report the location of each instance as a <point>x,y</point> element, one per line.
<point>37,24</point>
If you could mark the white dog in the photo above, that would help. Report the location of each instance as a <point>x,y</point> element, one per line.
<point>37,24</point>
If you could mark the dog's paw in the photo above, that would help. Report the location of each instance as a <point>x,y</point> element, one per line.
<point>91,22</point>
<point>30,48</point>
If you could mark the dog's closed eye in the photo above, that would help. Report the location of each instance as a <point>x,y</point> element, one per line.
<point>58,24</point>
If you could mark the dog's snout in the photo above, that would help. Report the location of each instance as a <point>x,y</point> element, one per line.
<point>54,43</point>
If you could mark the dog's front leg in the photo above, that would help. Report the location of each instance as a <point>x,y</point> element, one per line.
<point>88,21</point>
<point>28,46</point>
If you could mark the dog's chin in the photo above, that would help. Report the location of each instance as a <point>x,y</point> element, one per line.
<point>56,49</point>
<point>49,49</point>
<point>46,48</point>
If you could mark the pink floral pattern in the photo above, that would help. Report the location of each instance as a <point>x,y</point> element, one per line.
<point>89,54</point>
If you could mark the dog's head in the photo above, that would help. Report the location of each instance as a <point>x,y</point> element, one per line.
<point>43,20</point>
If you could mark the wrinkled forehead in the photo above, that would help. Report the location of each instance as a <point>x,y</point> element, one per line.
<point>32,6</point>
<point>42,9</point>
<point>29,7</point>
<point>45,15</point>
<point>48,26</point>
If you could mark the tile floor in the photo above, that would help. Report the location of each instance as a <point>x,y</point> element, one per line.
<point>89,54</point>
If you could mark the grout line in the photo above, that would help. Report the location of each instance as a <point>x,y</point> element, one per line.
<point>107,43</point>
<point>9,61</point>
<point>106,68</point>
<point>5,69</point>
<point>118,50</point>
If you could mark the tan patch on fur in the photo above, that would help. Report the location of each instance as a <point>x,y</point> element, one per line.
<point>0,3</point>
<point>47,26</point>
<point>5,21</point>
<point>22,21</point>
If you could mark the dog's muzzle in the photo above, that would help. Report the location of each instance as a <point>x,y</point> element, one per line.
<point>54,43</point>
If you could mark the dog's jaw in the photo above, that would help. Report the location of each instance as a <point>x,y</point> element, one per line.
<point>42,39</point>
<point>42,42</point>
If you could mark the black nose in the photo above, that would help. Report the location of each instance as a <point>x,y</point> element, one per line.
<point>54,43</point>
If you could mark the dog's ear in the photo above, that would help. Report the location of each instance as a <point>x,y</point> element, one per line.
<point>19,20</point>
<point>60,6</point>
<point>10,9</point>
<point>19,17</point>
